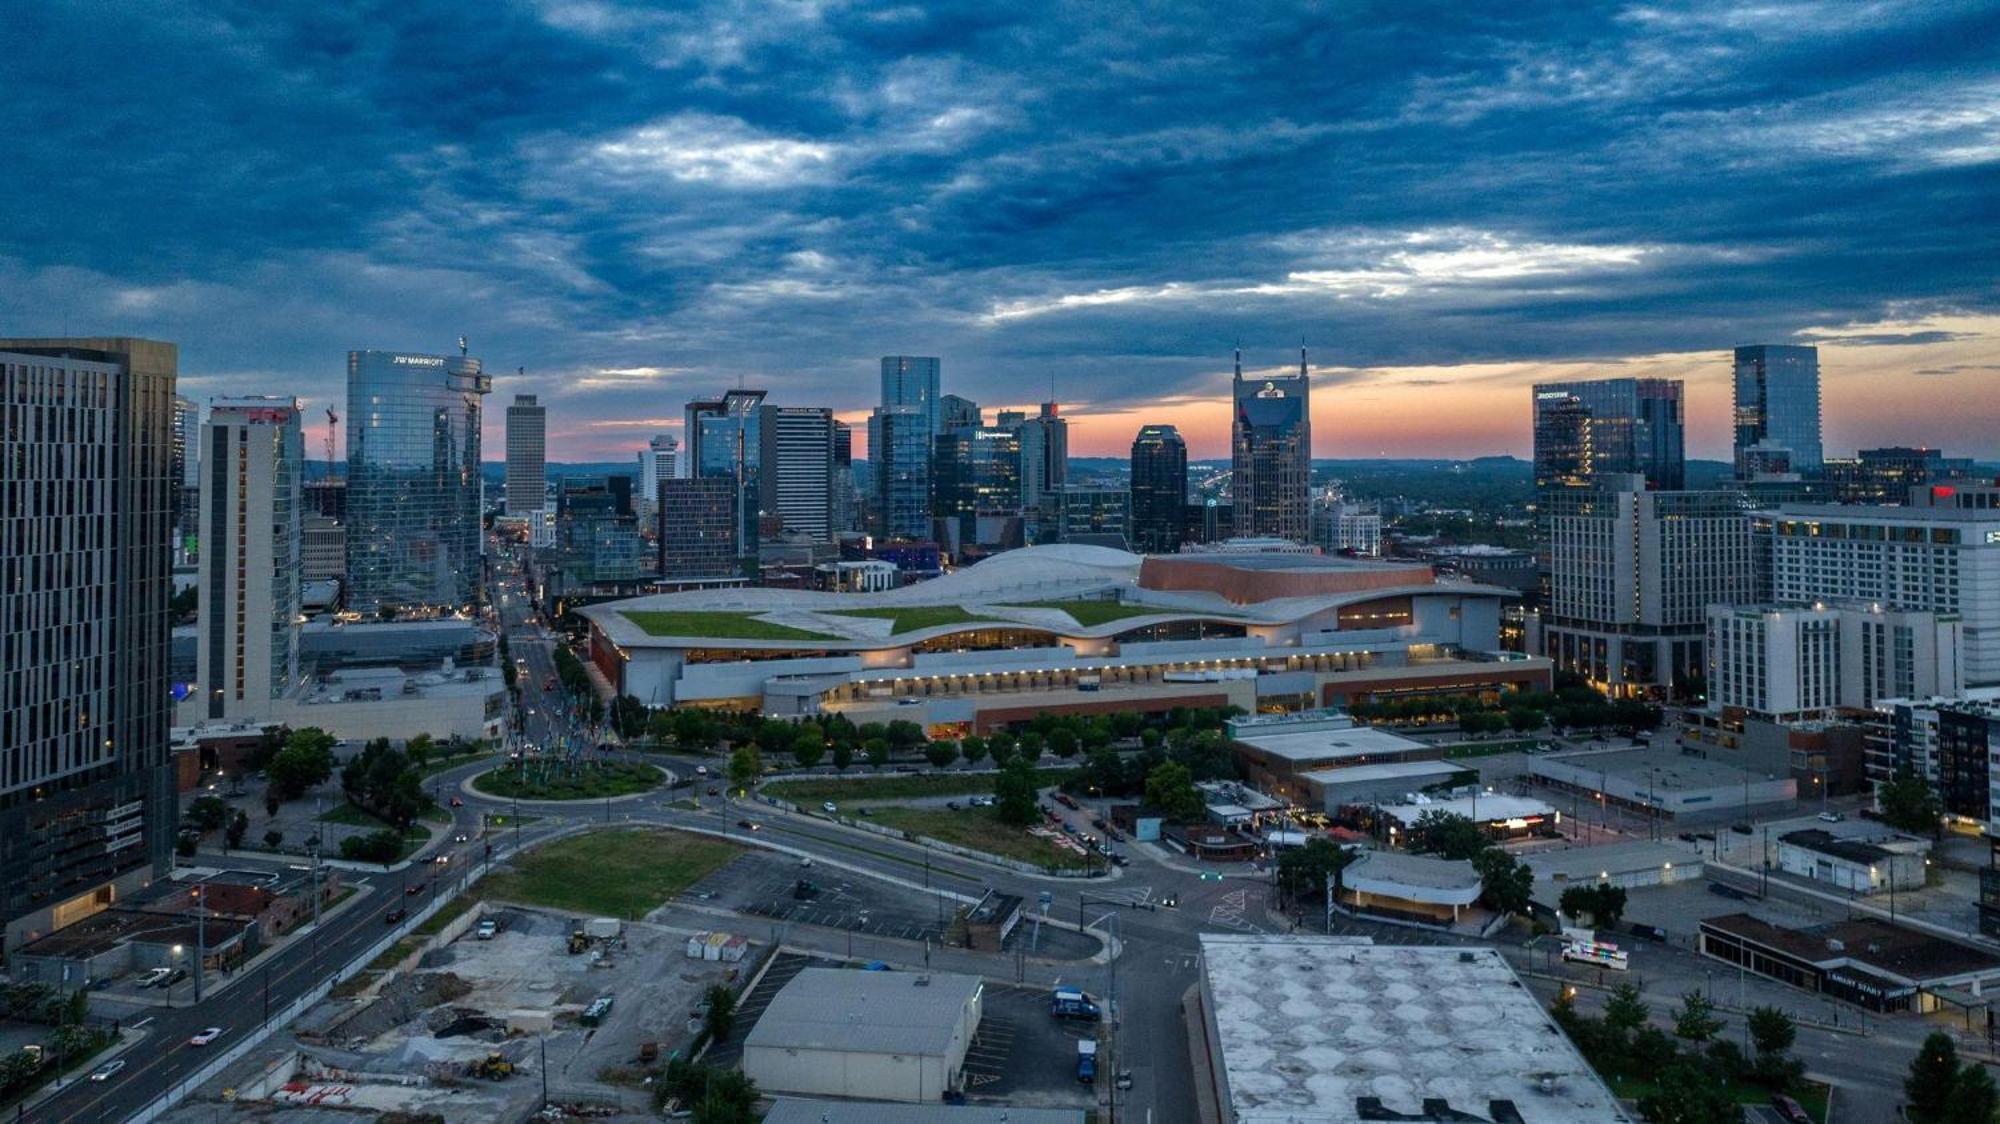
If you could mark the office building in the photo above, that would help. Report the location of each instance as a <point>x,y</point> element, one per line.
<point>527,447</point>
<point>656,463</point>
<point>597,535</point>
<point>87,486</point>
<point>251,514</point>
<point>1942,560</point>
<point>1885,476</point>
<point>976,472</point>
<point>1044,440</point>
<point>725,440</point>
<point>1342,527</point>
<point>913,381</point>
<point>1792,663</point>
<point>844,507</point>
<point>1777,411</point>
<point>1159,489</point>
<point>1081,513</point>
<point>959,413</point>
<point>698,526</point>
<point>796,473</point>
<point>899,454</point>
<point>186,473</point>
<point>413,485</point>
<point>1631,575</point>
<point>1962,496</point>
<point>323,548</point>
<point>1587,430</point>
<point>1271,454</point>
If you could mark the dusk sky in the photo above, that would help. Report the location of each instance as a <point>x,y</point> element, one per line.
<point>638,205</point>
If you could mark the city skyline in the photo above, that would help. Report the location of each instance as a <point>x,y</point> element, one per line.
<point>667,203</point>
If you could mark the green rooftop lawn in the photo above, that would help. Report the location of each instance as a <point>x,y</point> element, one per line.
<point>1090,614</point>
<point>913,618</point>
<point>729,626</point>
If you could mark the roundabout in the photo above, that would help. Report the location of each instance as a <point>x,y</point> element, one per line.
<point>562,782</point>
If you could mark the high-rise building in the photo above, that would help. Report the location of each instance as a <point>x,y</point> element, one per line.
<point>959,413</point>
<point>796,476</point>
<point>844,497</point>
<point>1632,573</point>
<point>914,380</point>
<point>1777,410</point>
<point>1586,430</point>
<point>1159,489</point>
<point>1343,527</point>
<point>977,472</point>
<point>698,525</point>
<point>724,440</point>
<point>1792,662</point>
<point>1271,454</point>
<point>86,515</point>
<point>899,455</point>
<point>247,649</point>
<point>413,486</point>
<point>186,476</point>
<point>1044,442</point>
<point>1941,560</point>
<point>597,533</point>
<point>1080,513</point>
<point>1878,476</point>
<point>656,463</point>
<point>527,451</point>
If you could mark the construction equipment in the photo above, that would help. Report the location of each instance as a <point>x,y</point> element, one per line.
<point>578,940</point>
<point>492,1067</point>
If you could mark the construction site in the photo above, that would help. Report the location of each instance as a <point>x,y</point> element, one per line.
<point>504,1008</point>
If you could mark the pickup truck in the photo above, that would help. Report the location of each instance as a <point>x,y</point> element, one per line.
<point>1071,1003</point>
<point>1086,1062</point>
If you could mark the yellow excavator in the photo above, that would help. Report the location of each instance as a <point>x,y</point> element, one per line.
<point>493,1067</point>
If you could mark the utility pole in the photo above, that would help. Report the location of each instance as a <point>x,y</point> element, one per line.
<point>200,938</point>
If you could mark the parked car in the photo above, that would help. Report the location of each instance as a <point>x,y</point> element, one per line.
<point>156,977</point>
<point>1650,932</point>
<point>829,808</point>
<point>204,1037</point>
<point>1831,817</point>
<point>1791,1110</point>
<point>487,930</point>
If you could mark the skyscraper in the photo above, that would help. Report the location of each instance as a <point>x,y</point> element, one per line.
<point>899,453</point>
<point>976,471</point>
<point>913,380</point>
<point>1271,454</point>
<point>413,487</point>
<point>1159,489</point>
<point>1777,409</point>
<point>186,476</point>
<point>959,413</point>
<point>843,478</point>
<point>247,650</point>
<point>656,463</point>
<point>698,526</point>
<point>1585,430</point>
<point>1044,451</point>
<point>527,448</point>
<point>724,440</point>
<point>796,479</point>
<point>86,788</point>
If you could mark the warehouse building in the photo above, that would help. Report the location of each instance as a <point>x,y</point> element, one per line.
<point>1870,963</point>
<point>1338,1030</point>
<point>1656,782</point>
<point>892,1036</point>
<point>1328,790</point>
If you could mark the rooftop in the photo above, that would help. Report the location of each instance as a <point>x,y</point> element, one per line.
<point>1484,808</point>
<point>1332,1030</point>
<point>791,1110</point>
<point>1333,745</point>
<point>1889,950</point>
<point>1666,771</point>
<point>1387,771</point>
<point>1414,877</point>
<point>880,1012</point>
<point>1849,850</point>
<point>1856,513</point>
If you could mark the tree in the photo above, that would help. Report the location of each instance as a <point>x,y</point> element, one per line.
<point>1771,1030</point>
<point>973,748</point>
<point>418,750</point>
<point>186,844</point>
<point>1303,871</point>
<point>877,751</point>
<point>1624,1010</point>
<point>745,766</point>
<point>381,782</point>
<point>1684,1094</point>
<point>1014,792</point>
<point>941,753</point>
<point>374,847</point>
<point>720,1018</point>
<point>206,814</point>
<point>1910,804</point>
<point>1506,883</point>
<point>1933,1072</point>
<point>1605,903</point>
<point>304,762</point>
<point>808,750</point>
<point>1973,1099</point>
<point>1447,835</point>
<point>1170,789</point>
<point>1062,743</point>
<point>238,828</point>
<point>270,804</point>
<point>843,756</point>
<point>1696,1021</point>
<point>273,837</point>
<point>905,735</point>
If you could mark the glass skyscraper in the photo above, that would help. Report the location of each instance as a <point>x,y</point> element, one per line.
<point>413,484</point>
<point>899,453</point>
<point>1586,430</point>
<point>1271,454</point>
<point>1159,489</point>
<point>725,439</point>
<point>1777,409</point>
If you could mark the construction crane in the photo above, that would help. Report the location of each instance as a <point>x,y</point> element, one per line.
<point>332,419</point>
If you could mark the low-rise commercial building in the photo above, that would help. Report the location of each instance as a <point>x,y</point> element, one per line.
<point>793,1110</point>
<point>1870,963</point>
<point>892,1036</point>
<point>1867,862</point>
<point>1677,786</point>
<point>1500,815</point>
<point>1416,888</point>
<point>1336,1030</point>
<point>1278,752</point>
<point>1329,790</point>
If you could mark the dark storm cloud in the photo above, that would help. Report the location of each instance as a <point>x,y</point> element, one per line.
<point>638,204</point>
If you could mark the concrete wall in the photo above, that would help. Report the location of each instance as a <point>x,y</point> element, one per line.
<point>843,1073</point>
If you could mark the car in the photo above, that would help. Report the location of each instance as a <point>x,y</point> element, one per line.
<point>701,770</point>
<point>868,812</point>
<point>1791,1110</point>
<point>174,977</point>
<point>155,977</point>
<point>749,825</point>
<point>1650,932</point>
<point>829,808</point>
<point>1742,829</point>
<point>394,915</point>
<point>1831,817</point>
<point>487,930</point>
<point>461,837</point>
<point>457,803</point>
<point>442,859</point>
<point>549,684</point>
<point>806,861</point>
<point>1171,901</point>
<point>204,1037</point>
<point>1687,837</point>
<point>108,1070</point>
<point>715,790</point>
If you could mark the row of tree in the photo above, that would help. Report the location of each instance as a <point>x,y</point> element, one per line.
<point>1690,1071</point>
<point>1573,704</point>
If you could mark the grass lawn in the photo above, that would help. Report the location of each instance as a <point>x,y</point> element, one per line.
<point>622,873</point>
<point>896,786</point>
<point>1811,1095</point>
<point>1488,749</point>
<point>912,619</point>
<point>548,781</point>
<point>978,829</point>
<point>1090,614</point>
<point>733,626</point>
<point>438,765</point>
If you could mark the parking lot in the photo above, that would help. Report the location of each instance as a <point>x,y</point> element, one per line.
<point>764,884</point>
<point>1023,1055</point>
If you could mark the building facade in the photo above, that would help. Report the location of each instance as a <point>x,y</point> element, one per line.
<point>1795,662</point>
<point>1777,411</point>
<point>1044,440</point>
<point>87,485</point>
<point>1159,489</point>
<point>413,486</point>
<point>1879,476</point>
<point>975,472</point>
<point>725,441</point>
<point>656,463</point>
<point>899,453</point>
<point>1271,454</point>
<point>1585,431</point>
<point>698,528</point>
<point>844,507</point>
<point>1086,514</point>
<point>1632,573</point>
<point>527,451</point>
<point>248,623</point>
<point>796,475</point>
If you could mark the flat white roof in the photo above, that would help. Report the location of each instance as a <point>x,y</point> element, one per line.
<point>1332,745</point>
<point>1386,771</point>
<point>1309,1027</point>
<point>1484,808</point>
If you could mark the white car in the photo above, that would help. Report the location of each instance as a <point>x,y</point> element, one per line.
<point>106,1071</point>
<point>829,808</point>
<point>206,1036</point>
<point>488,929</point>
